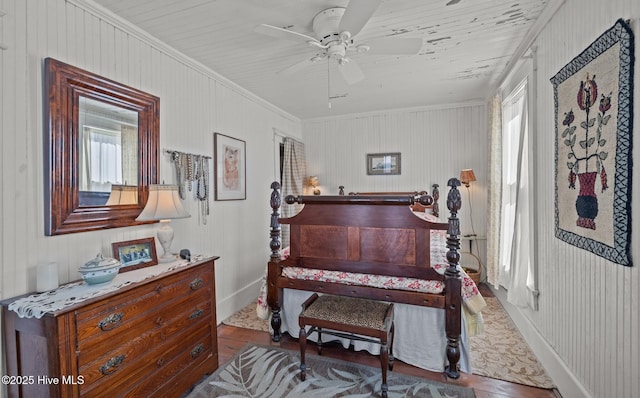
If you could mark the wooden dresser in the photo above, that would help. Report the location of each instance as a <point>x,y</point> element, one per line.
<point>151,338</point>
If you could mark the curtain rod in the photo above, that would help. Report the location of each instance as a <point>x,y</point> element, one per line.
<point>171,152</point>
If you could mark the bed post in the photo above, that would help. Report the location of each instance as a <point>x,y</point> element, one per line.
<point>273,269</point>
<point>435,193</point>
<point>453,284</point>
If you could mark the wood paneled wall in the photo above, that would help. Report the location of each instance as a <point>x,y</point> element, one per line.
<point>589,307</point>
<point>435,144</point>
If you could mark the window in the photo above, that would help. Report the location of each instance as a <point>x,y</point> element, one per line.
<point>516,255</point>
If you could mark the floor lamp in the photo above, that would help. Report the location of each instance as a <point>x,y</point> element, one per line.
<point>163,205</point>
<point>466,178</point>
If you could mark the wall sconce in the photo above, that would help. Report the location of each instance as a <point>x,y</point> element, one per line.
<point>313,182</point>
<point>163,205</point>
<point>467,177</point>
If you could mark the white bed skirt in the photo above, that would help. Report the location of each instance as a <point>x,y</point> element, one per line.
<point>419,337</point>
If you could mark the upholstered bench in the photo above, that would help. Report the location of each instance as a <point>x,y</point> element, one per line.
<point>351,318</point>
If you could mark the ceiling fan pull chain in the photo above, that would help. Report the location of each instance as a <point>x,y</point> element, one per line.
<point>328,83</point>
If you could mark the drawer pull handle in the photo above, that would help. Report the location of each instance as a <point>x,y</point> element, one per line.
<point>159,321</point>
<point>158,288</point>
<point>111,322</point>
<point>196,284</point>
<point>197,350</point>
<point>112,365</point>
<point>196,314</point>
<point>160,362</point>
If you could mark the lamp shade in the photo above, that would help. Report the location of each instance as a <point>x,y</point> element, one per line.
<point>467,176</point>
<point>123,195</point>
<point>163,204</point>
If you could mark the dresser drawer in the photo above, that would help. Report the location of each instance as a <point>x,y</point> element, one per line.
<point>134,310</point>
<point>154,368</point>
<point>175,366</point>
<point>148,331</point>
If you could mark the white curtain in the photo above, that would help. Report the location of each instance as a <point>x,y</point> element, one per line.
<point>293,180</point>
<point>129,154</point>
<point>101,160</point>
<point>495,190</point>
<point>516,271</point>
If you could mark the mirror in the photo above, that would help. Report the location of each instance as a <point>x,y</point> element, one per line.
<point>108,154</point>
<point>101,150</point>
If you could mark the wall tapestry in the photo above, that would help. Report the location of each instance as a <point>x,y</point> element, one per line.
<point>593,97</point>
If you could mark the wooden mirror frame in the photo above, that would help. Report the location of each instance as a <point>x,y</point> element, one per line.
<point>64,84</point>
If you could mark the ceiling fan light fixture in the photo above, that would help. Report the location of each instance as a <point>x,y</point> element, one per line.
<point>363,48</point>
<point>336,51</point>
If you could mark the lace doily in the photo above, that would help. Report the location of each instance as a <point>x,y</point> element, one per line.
<point>36,305</point>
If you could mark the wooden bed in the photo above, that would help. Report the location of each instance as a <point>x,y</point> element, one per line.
<point>370,235</point>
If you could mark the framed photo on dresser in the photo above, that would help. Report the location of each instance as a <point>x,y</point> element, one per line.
<point>134,254</point>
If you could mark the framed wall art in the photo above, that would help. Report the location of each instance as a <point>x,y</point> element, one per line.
<point>383,163</point>
<point>230,173</point>
<point>134,254</point>
<point>593,97</point>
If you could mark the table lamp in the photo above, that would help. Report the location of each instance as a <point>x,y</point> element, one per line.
<point>163,205</point>
<point>313,181</point>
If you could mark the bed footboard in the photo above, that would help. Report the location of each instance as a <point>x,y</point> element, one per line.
<point>377,235</point>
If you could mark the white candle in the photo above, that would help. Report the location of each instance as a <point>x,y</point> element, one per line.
<point>47,277</point>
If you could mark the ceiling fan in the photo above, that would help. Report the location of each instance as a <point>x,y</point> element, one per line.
<point>335,29</point>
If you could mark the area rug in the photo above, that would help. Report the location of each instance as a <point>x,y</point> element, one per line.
<point>247,318</point>
<point>269,371</point>
<point>499,352</point>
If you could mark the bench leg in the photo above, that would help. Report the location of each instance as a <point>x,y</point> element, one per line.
<point>302,336</point>
<point>384,364</point>
<point>319,341</point>
<point>390,338</point>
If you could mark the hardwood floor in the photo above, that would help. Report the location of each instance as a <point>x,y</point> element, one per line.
<point>231,339</point>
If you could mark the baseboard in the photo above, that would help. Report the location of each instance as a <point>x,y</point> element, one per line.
<point>568,385</point>
<point>229,305</point>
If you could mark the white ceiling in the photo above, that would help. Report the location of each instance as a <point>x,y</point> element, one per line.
<point>466,46</point>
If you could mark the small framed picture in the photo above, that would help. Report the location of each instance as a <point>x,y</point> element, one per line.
<point>134,254</point>
<point>383,163</point>
<point>230,173</point>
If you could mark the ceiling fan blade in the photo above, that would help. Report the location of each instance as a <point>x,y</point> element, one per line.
<point>357,14</point>
<point>280,33</point>
<point>351,72</point>
<point>298,66</point>
<point>394,46</point>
